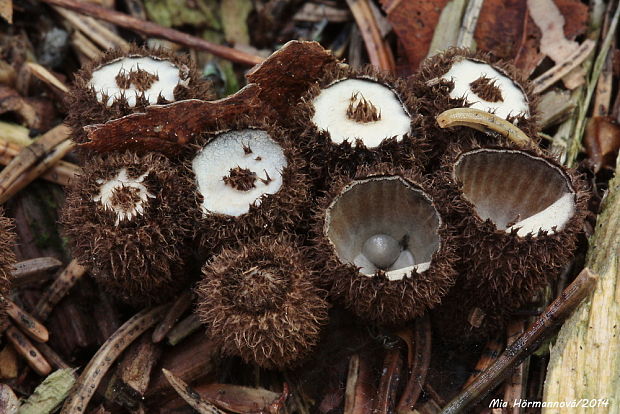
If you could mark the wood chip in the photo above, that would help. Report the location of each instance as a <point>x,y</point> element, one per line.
<point>191,396</point>
<point>102,360</point>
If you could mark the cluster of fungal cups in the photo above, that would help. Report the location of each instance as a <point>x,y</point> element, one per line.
<point>355,198</point>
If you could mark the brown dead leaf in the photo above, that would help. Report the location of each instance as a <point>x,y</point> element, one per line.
<point>506,29</point>
<point>414,23</point>
<point>602,142</point>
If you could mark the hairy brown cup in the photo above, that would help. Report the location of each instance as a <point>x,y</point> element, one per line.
<point>260,302</point>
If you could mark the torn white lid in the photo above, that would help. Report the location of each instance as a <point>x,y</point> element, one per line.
<point>464,72</point>
<point>104,80</point>
<point>555,216</point>
<point>229,151</point>
<point>122,182</point>
<point>330,113</point>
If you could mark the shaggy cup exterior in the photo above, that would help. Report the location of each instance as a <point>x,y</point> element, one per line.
<point>382,246</point>
<point>518,214</point>
<point>251,182</point>
<point>260,302</point>
<point>125,82</point>
<point>7,259</point>
<point>129,218</point>
<point>353,117</point>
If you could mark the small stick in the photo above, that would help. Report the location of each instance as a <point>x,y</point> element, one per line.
<point>526,344</point>
<point>26,349</point>
<point>26,322</point>
<point>55,155</point>
<point>482,121</point>
<point>61,286</point>
<point>62,173</point>
<point>190,396</point>
<point>155,30</point>
<point>184,329</point>
<point>31,154</point>
<point>52,357</point>
<point>111,349</point>
<point>180,306</point>
<point>378,51</point>
<point>358,392</point>
<point>419,363</point>
<point>46,76</point>
<point>94,30</point>
<point>492,350</point>
<point>388,384</point>
<point>560,70</point>
<point>29,267</point>
<point>515,384</point>
<point>470,20</point>
<point>84,46</point>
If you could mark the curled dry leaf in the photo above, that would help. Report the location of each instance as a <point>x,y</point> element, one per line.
<point>602,142</point>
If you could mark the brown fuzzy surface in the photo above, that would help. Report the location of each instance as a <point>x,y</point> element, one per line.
<point>7,259</point>
<point>142,260</point>
<point>326,158</point>
<point>377,299</point>
<point>499,272</point>
<point>435,99</point>
<point>277,213</point>
<point>84,109</point>
<point>260,302</point>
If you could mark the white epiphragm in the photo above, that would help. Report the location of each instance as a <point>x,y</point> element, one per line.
<point>106,195</point>
<point>227,151</point>
<point>330,113</point>
<point>104,83</point>
<point>555,216</point>
<point>464,72</point>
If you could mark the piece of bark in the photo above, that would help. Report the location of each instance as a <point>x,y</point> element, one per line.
<point>287,74</point>
<point>169,128</point>
<point>134,372</point>
<point>190,361</point>
<point>102,360</point>
<point>585,362</point>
